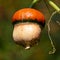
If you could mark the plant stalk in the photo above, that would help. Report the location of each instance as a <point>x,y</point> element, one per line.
<point>33,3</point>
<point>54,5</point>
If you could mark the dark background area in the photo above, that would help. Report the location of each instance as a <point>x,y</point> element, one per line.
<point>9,50</point>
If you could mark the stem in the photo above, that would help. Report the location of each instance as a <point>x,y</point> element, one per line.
<point>54,5</point>
<point>33,2</point>
<point>27,47</point>
<point>48,25</point>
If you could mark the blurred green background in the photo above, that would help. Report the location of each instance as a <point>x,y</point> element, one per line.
<point>8,49</point>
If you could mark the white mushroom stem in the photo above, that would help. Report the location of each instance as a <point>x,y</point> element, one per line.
<point>27,47</point>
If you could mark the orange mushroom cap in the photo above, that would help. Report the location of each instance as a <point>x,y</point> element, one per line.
<point>28,14</point>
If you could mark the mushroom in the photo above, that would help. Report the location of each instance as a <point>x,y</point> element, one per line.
<point>28,24</point>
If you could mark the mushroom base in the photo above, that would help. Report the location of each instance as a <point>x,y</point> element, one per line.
<point>26,34</point>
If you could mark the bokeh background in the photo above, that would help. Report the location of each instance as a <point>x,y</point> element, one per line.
<point>9,50</point>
